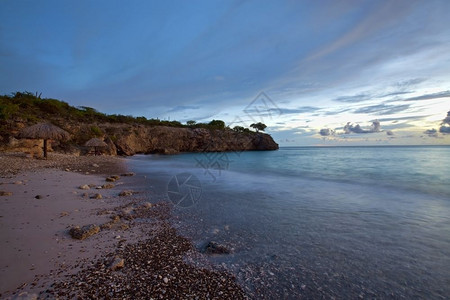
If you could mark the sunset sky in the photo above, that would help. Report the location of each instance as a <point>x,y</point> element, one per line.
<point>316,72</point>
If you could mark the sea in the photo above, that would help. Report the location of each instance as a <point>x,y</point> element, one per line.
<point>315,222</point>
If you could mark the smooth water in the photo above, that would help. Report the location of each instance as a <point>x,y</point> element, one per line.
<point>319,222</point>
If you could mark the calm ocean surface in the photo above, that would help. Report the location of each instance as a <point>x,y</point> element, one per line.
<point>342,222</point>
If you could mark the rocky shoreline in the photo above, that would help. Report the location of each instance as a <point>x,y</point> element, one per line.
<point>131,249</point>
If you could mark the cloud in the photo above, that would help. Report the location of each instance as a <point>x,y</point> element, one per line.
<point>445,129</point>
<point>401,118</point>
<point>183,107</point>
<point>350,128</point>
<point>443,94</point>
<point>326,132</point>
<point>382,109</point>
<point>409,83</point>
<point>447,119</point>
<point>354,98</point>
<point>431,132</point>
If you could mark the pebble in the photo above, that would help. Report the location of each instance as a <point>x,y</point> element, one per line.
<point>166,280</point>
<point>84,187</point>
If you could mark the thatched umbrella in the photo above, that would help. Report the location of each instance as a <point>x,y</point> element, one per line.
<point>96,142</point>
<point>45,131</point>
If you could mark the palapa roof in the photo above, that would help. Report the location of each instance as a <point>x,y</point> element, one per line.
<point>96,142</point>
<point>44,131</point>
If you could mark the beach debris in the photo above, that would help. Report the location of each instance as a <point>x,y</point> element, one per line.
<point>96,196</point>
<point>84,187</point>
<point>214,248</point>
<point>4,193</point>
<point>38,196</point>
<point>126,193</point>
<point>128,174</point>
<point>108,186</point>
<point>84,232</point>
<point>116,263</point>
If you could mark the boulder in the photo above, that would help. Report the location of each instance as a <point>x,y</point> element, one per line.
<point>84,232</point>
<point>126,193</point>
<point>214,248</point>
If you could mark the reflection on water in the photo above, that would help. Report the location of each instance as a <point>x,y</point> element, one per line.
<point>357,226</point>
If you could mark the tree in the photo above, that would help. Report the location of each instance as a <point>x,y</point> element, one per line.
<point>217,124</point>
<point>191,123</point>
<point>258,126</point>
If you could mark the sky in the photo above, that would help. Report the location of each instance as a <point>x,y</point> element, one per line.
<point>319,72</point>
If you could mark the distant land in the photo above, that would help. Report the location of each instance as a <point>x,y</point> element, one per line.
<point>124,135</point>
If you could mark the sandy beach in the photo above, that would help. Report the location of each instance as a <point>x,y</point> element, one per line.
<point>136,252</point>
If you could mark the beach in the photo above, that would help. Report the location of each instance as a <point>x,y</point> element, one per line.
<point>135,253</point>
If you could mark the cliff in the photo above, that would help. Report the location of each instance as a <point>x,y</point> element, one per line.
<point>124,139</point>
<point>124,135</point>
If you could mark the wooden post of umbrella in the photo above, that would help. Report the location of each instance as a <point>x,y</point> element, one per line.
<point>45,131</point>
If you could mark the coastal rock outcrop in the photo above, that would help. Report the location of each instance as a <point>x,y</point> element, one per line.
<point>167,140</point>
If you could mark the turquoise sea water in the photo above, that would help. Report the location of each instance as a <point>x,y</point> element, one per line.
<point>317,222</point>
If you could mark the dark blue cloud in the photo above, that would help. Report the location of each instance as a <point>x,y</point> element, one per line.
<point>443,94</point>
<point>382,109</point>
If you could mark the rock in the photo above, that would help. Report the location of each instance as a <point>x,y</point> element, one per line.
<point>147,205</point>
<point>25,296</point>
<point>84,187</point>
<point>67,170</point>
<point>166,280</point>
<point>38,196</point>
<point>116,177</point>
<point>126,193</point>
<point>110,179</point>
<point>4,193</point>
<point>116,263</point>
<point>91,185</point>
<point>96,196</point>
<point>215,248</point>
<point>85,195</point>
<point>95,165</point>
<point>63,214</point>
<point>18,182</point>
<point>84,232</point>
<point>128,174</point>
<point>108,186</point>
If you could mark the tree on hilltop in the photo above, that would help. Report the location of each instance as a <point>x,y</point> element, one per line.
<point>259,126</point>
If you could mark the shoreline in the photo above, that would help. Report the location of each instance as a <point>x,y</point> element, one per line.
<point>41,260</point>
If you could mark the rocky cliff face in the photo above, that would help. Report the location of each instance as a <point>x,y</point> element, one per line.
<point>124,139</point>
<point>168,140</point>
